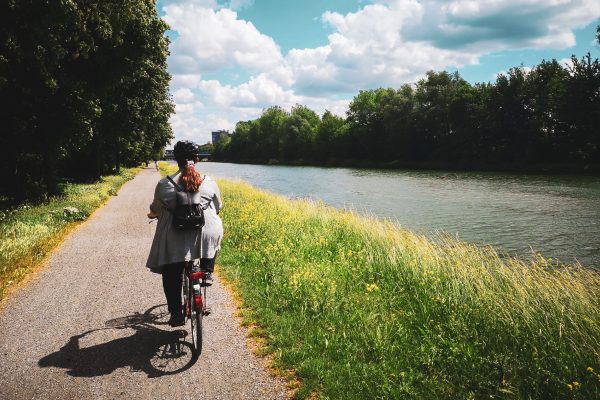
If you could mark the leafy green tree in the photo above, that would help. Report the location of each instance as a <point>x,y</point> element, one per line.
<point>240,144</point>
<point>544,115</point>
<point>581,110</point>
<point>546,86</point>
<point>366,119</point>
<point>439,97</point>
<point>131,83</point>
<point>46,111</point>
<point>269,133</point>
<point>328,136</point>
<point>299,133</point>
<point>86,80</point>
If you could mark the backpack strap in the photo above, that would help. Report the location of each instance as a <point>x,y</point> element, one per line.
<point>177,187</point>
<point>207,204</point>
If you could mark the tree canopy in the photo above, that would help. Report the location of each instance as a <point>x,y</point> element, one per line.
<point>84,88</point>
<point>546,116</point>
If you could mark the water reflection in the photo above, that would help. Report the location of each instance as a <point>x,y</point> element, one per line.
<point>518,214</point>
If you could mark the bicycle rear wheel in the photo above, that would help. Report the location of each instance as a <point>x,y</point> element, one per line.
<point>196,325</point>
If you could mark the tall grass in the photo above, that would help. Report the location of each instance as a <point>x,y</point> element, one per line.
<point>363,309</point>
<point>28,233</point>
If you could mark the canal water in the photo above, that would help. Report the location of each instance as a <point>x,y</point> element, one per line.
<point>558,216</point>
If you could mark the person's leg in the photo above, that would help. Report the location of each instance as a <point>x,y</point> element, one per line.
<point>172,281</point>
<point>207,264</point>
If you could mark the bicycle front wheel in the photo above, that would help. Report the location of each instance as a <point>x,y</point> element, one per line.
<point>196,325</point>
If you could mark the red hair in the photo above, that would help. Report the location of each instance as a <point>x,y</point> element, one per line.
<point>190,178</point>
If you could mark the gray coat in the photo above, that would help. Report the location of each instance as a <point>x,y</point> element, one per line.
<point>171,245</point>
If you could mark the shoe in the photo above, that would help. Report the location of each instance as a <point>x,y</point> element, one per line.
<point>207,280</point>
<point>177,320</point>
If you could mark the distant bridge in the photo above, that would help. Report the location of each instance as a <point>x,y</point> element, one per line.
<point>169,156</point>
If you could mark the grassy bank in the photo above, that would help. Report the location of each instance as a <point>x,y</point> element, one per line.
<point>362,309</point>
<point>28,233</point>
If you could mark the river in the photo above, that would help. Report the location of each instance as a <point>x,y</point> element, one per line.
<point>558,216</point>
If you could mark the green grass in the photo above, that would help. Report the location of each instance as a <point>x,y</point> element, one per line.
<point>166,168</point>
<point>30,232</point>
<point>362,309</point>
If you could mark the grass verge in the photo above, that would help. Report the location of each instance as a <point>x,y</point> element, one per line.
<point>361,308</point>
<point>30,232</point>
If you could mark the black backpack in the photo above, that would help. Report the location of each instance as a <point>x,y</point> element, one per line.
<point>187,214</point>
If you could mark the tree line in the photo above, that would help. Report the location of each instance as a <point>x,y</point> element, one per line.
<point>546,116</point>
<point>84,89</point>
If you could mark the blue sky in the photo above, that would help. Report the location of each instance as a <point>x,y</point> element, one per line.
<point>230,59</point>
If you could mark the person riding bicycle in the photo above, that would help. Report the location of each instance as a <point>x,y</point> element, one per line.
<point>172,248</point>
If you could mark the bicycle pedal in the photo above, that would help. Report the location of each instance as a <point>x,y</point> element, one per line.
<point>206,284</point>
<point>207,311</point>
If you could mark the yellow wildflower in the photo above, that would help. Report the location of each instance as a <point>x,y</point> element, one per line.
<point>590,369</point>
<point>372,287</point>
<point>569,386</point>
<point>576,384</point>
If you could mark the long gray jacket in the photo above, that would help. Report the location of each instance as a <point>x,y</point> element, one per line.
<point>171,245</point>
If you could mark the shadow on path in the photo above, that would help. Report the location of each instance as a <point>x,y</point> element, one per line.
<point>155,351</point>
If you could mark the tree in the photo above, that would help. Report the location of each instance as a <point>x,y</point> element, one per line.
<point>546,86</point>
<point>299,131</point>
<point>269,133</point>
<point>80,80</point>
<point>41,44</point>
<point>366,119</point>
<point>328,136</point>
<point>581,109</point>
<point>547,114</point>
<point>131,83</point>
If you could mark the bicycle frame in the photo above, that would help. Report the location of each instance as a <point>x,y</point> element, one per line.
<point>192,278</point>
<point>194,302</point>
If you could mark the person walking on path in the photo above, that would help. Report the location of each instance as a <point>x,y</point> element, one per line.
<point>171,247</point>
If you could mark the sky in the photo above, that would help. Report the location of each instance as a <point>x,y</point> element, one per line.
<point>230,59</point>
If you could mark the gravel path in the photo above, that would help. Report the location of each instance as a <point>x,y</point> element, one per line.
<point>93,324</point>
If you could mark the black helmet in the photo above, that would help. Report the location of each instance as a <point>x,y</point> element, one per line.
<point>186,150</point>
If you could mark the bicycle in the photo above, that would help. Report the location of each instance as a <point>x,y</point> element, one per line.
<point>194,302</point>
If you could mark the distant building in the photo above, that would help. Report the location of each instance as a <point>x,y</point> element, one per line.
<point>218,135</point>
<point>168,155</point>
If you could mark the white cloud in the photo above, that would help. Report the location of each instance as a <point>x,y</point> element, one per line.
<point>196,128</point>
<point>368,50</point>
<point>485,26</point>
<point>209,40</point>
<point>258,92</point>
<point>387,43</point>
<point>183,96</point>
<point>189,81</point>
<point>566,62</point>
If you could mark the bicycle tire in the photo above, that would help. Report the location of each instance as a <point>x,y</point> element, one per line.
<point>196,325</point>
<point>185,295</point>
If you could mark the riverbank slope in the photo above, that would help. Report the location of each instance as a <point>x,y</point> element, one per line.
<point>361,308</point>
